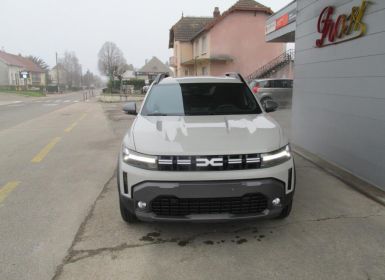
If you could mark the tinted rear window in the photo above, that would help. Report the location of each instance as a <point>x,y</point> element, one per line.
<point>276,84</point>
<point>200,99</point>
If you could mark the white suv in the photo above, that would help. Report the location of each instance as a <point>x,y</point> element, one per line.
<point>203,149</point>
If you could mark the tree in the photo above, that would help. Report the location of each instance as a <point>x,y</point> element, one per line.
<point>43,65</point>
<point>89,80</point>
<point>111,61</point>
<point>73,69</point>
<point>39,62</point>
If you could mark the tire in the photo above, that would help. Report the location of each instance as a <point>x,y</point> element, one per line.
<point>127,216</point>
<point>285,211</point>
<point>264,99</point>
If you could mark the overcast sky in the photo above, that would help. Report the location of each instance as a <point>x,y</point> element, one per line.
<point>140,28</point>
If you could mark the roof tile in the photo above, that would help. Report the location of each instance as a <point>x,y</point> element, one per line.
<point>20,61</point>
<point>154,66</point>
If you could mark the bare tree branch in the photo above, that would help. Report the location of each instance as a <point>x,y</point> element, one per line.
<point>111,61</point>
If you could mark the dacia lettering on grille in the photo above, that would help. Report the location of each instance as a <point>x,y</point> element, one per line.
<point>204,162</point>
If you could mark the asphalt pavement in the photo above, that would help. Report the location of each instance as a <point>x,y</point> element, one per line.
<point>54,162</point>
<point>59,214</point>
<point>333,233</point>
<point>15,109</point>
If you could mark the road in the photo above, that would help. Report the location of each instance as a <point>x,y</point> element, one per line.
<point>16,109</point>
<point>54,161</point>
<point>333,233</point>
<point>59,216</point>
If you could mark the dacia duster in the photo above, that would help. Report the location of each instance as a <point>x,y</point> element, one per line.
<point>204,149</point>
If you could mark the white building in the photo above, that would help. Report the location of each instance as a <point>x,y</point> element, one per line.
<point>339,88</point>
<point>10,67</point>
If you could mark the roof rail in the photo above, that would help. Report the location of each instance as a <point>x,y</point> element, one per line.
<point>236,76</point>
<point>160,77</point>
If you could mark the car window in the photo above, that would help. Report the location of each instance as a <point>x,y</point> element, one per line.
<point>277,84</point>
<point>200,99</point>
<point>263,84</point>
<point>286,83</point>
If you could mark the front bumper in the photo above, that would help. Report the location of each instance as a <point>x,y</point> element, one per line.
<point>213,190</point>
<point>136,184</point>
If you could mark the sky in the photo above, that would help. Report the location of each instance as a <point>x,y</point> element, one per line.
<point>139,28</point>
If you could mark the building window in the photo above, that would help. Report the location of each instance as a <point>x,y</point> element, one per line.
<point>186,72</point>
<point>196,48</point>
<point>204,71</point>
<point>36,78</point>
<point>204,44</point>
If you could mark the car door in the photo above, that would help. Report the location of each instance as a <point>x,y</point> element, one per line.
<point>282,92</point>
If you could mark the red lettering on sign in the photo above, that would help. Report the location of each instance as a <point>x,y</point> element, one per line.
<point>282,21</point>
<point>345,28</point>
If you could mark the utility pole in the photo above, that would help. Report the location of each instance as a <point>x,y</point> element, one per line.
<point>57,74</point>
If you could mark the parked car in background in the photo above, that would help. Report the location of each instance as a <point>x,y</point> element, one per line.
<point>278,90</point>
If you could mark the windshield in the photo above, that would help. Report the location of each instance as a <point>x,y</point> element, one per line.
<point>200,99</point>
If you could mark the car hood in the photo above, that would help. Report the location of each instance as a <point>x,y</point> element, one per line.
<point>205,135</point>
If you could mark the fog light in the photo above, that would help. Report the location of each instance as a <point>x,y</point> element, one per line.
<point>142,204</point>
<point>276,201</point>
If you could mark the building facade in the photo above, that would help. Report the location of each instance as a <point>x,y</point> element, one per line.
<point>230,42</point>
<point>12,65</point>
<point>151,69</point>
<point>339,98</point>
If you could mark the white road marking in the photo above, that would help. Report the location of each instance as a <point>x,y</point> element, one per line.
<point>50,104</point>
<point>66,101</point>
<point>15,105</point>
<point>9,102</point>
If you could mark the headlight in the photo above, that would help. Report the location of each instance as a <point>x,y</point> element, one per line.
<point>276,157</point>
<point>139,160</point>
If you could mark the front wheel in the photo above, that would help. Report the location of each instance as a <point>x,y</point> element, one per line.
<point>285,211</point>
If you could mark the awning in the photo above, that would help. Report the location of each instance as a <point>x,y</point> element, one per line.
<point>214,58</point>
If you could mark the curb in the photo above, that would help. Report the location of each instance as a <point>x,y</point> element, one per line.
<point>345,176</point>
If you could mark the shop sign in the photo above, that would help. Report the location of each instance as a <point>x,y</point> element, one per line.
<point>24,75</point>
<point>280,22</point>
<point>344,28</point>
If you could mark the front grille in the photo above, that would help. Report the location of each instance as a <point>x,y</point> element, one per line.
<point>173,206</point>
<point>206,163</point>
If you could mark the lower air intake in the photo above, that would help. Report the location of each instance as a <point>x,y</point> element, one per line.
<point>173,206</point>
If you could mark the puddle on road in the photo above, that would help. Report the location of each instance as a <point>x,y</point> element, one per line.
<point>248,235</point>
<point>150,237</point>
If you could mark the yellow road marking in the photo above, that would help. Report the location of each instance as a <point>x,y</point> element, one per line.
<point>7,189</point>
<point>68,129</point>
<point>44,152</point>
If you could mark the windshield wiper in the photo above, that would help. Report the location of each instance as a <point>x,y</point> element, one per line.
<point>164,114</point>
<point>157,114</point>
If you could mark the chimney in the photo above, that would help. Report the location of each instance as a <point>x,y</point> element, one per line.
<point>216,12</point>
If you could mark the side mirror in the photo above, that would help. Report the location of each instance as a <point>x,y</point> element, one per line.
<point>270,106</point>
<point>130,108</point>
